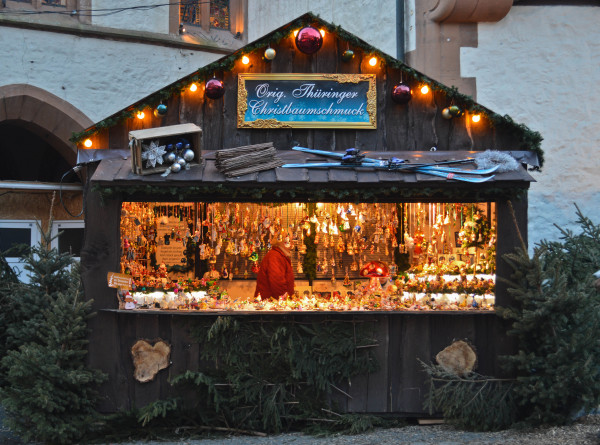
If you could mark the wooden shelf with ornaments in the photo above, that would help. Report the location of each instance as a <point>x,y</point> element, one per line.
<point>347,257</point>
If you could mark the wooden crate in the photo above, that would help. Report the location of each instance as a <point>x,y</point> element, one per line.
<point>163,136</point>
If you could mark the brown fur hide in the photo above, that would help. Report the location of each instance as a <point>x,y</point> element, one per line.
<point>459,358</point>
<point>148,359</point>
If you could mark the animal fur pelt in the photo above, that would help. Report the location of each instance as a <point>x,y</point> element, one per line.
<point>491,158</point>
<point>148,359</point>
<point>459,358</point>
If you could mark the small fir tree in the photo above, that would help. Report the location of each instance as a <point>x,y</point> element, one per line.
<point>8,279</point>
<point>47,391</point>
<point>48,272</point>
<point>556,322</point>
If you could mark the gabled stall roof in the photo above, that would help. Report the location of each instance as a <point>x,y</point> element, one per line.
<point>528,139</point>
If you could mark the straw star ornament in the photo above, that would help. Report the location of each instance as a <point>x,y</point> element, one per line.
<point>153,153</point>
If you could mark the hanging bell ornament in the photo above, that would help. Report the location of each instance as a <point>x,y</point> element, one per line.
<point>175,168</point>
<point>455,111</point>
<point>214,88</point>
<point>170,157</point>
<point>188,155</point>
<point>446,113</point>
<point>401,93</point>
<point>270,53</point>
<point>348,55</point>
<point>309,40</point>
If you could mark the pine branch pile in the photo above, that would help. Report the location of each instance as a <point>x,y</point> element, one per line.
<point>247,159</point>
<point>269,376</point>
<point>472,402</point>
<point>556,323</point>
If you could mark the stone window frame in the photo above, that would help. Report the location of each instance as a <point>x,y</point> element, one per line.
<point>237,19</point>
<point>37,5</point>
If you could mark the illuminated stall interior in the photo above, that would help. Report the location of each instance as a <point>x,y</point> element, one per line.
<point>385,256</point>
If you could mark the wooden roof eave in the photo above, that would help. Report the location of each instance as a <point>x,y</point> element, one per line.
<point>204,181</point>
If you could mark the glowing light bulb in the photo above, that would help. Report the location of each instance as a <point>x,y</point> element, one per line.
<point>193,87</point>
<point>476,117</point>
<point>296,32</point>
<point>140,115</point>
<point>322,31</point>
<point>424,89</point>
<point>87,143</point>
<point>373,61</point>
<point>245,60</point>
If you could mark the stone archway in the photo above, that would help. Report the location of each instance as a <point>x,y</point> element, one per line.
<point>50,117</point>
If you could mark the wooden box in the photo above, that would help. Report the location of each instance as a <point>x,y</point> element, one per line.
<point>172,134</point>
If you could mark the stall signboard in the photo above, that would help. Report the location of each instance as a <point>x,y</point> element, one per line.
<point>307,101</point>
<point>170,246</point>
<point>117,280</point>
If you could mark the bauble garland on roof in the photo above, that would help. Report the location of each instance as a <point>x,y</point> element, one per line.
<point>530,140</point>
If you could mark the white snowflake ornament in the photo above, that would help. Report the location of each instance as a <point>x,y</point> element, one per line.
<point>153,154</point>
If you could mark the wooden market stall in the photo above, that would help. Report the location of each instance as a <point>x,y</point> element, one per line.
<point>191,236</point>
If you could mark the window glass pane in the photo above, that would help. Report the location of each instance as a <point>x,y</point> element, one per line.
<point>189,12</point>
<point>10,237</point>
<point>219,14</point>
<point>54,3</point>
<point>70,241</point>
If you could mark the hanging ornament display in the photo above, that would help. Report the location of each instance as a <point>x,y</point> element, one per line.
<point>455,111</point>
<point>214,88</point>
<point>401,93</point>
<point>348,55</point>
<point>270,53</point>
<point>161,110</point>
<point>446,114</point>
<point>309,40</point>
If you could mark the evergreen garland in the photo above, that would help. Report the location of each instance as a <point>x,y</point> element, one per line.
<point>529,140</point>
<point>231,192</point>
<point>267,375</point>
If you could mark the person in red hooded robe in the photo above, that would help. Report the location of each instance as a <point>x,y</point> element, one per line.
<point>275,276</point>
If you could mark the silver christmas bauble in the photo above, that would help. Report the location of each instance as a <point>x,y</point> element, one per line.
<point>170,157</point>
<point>175,168</point>
<point>188,155</point>
<point>180,161</point>
<point>270,54</point>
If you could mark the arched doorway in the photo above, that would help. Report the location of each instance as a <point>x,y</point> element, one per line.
<point>35,127</point>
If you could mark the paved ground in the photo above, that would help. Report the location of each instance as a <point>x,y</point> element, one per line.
<point>584,432</point>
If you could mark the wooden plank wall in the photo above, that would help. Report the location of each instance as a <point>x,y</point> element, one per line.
<point>417,125</point>
<point>398,387</point>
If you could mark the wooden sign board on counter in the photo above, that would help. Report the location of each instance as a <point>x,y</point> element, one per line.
<point>117,280</point>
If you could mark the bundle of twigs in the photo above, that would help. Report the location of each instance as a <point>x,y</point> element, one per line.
<point>247,159</point>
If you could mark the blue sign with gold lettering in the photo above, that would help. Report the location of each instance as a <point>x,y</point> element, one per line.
<point>307,101</point>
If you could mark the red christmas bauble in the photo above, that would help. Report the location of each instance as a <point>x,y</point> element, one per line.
<point>309,40</point>
<point>375,269</point>
<point>401,93</point>
<point>214,88</point>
